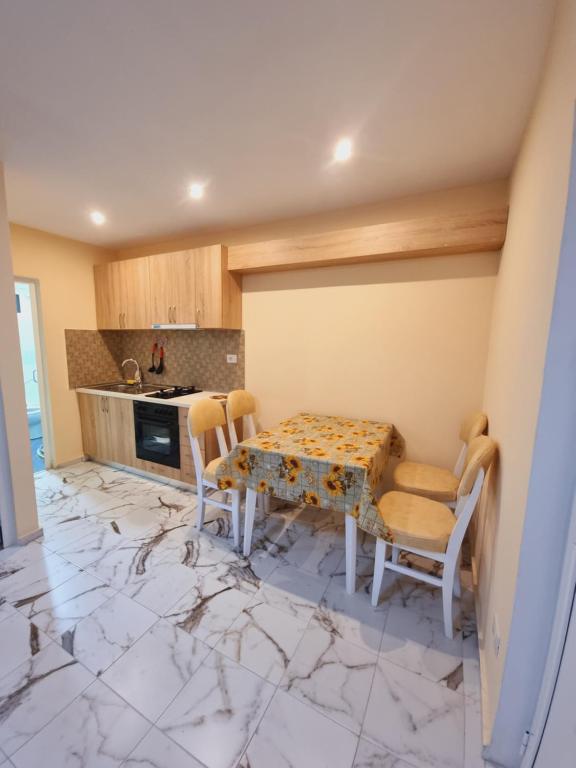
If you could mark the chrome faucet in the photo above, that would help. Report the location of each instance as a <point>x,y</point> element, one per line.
<point>137,375</point>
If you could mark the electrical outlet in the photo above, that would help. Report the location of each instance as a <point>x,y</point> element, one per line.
<point>496,635</point>
<point>233,359</point>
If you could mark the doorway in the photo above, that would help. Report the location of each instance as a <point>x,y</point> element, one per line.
<point>34,379</point>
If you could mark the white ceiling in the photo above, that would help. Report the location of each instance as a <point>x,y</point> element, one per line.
<point>119,104</point>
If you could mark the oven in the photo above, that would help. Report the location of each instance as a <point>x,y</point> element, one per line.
<point>157,433</point>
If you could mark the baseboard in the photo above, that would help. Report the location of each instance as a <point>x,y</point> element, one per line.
<point>485,709</point>
<point>65,464</point>
<point>29,537</point>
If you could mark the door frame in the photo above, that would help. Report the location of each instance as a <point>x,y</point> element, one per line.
<point>43,387</point>
<point>565,612</point>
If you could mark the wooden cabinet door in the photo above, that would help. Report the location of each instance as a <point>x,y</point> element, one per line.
<point>133,282</point>
<point>183,272</point>
<point>208,269</point>
<point>122,444</point>
<point>108,300</point>
<point>95,426</point>
<point>89,415</point>
<point>162,288</point>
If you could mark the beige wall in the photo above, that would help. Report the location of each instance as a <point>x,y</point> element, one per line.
<point>17,500</point>
<point>404,341</point>
<point>64,269</point>
<point>522,310</point>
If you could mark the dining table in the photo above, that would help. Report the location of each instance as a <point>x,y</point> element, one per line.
<point>329,462</point>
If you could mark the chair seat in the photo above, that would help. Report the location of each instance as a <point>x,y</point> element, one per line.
<point>416,521</point>
<point>209,474</point>
<point>425,480</point>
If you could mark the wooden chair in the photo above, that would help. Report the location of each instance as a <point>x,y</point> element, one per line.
<point>203,416</point>
<point>240,404</point>
<point>434,482</point>
<point>432,530</point>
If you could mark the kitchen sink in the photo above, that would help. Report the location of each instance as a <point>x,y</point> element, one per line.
<point>129,389</point>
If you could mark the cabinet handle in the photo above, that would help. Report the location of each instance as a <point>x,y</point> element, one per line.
<point>119,319</point>
<point>171,314</point>
<point>174,313</point>
<point>125,323</point>
<point>198,316</point>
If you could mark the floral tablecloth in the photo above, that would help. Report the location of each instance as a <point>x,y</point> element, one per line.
<point>326,461</point>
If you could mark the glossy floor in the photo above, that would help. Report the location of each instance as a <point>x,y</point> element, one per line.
<point>130,639</point>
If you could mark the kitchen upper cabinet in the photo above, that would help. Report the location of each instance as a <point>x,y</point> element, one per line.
<point>192,286</point>
<point>173,287</point>
<point>123,294</point>
<point>195,286</point>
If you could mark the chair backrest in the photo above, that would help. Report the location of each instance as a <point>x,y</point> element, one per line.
<point>203,415</point>
<point>473,426</point>
<point>479,456</point>
<point>240,404</point>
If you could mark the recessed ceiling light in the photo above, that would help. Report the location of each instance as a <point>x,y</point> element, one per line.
<point>196,190</point>
<point>97,217</point>
<point>343,150</point>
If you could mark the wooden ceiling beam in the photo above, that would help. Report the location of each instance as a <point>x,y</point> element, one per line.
<point>431,236</point>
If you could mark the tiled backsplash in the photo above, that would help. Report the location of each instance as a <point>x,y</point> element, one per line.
<point>190,357</point>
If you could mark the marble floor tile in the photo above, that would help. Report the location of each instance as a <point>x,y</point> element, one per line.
<point>263,639</point>
<point>473,734</point>
<point>99,639</point>
<point>97,730</point>
<point>208,609</point>
<point>246,573</point>
<point>195,549</point>
<point>216,713</point>
<point>14,559</point>
<point>35,692</point>
<point>95,545</point>
<point>418,596</point>
<point>160,587</point>
<point>35,579</point>
<point>472,683</point>
<point>173,504</point>
<point>332,676</point>
<point>418,720</point>
<point>20,640</point>
<point>368,755</point>
<point>295,735</point>
<point>292,591</point>
<point>418,643</point>
<point>132,560</point>
<point>351,617</point>
<point>57,610</point>
<point>150,674</point>
<point>64,533</point>
<point>158,751</point>
<point>244,662</point>
<point>316,555</point>
<point>6,609</point>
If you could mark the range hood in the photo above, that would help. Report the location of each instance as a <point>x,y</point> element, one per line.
<point>175,327</point>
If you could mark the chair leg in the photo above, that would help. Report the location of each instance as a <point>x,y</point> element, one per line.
<point>249,520</point>
<point>351,545</point>
<point>236,517</point>
<point>201,506</point>
<point>379,567</point>
<point>447,592</point>
<point>457,581</point>
<point>395,555</point>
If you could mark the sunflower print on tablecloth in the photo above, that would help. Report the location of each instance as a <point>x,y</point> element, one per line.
<point>325,461</point>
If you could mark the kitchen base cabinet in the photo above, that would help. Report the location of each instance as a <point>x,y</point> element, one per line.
<point>107,428</point>
<point>108,436</point>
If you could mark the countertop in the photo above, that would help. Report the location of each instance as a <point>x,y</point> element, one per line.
<point>182,402</point>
